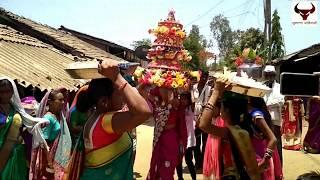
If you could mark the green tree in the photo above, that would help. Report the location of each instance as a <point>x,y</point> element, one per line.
<point>195,43</point>
<point>232,42</point>
<point>138,43</point>
<point>227,40</point>
<point>223,34</point>
<point>277,44</point>
<point>251,38</point>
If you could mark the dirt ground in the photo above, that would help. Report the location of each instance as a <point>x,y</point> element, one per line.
<point>295,162</point>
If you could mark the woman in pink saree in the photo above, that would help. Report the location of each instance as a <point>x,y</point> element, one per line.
<point>238,153</point>
<point>216,152</point>
<point>312,139</point>
<point>170,134</point>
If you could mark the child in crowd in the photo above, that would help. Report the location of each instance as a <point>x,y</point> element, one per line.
<point>185,100</point>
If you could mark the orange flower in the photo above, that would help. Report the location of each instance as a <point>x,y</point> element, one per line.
<point>238,61</point>
<point>258,60</point>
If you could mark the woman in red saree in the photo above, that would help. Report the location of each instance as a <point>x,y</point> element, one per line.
<point>170,134</point>
<point>293,113</point>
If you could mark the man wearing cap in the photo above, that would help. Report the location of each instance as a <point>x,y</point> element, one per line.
<point>274,101</point>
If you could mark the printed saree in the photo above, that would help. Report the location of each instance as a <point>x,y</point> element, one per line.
<point>13,163</point>
<point>292,114</point>
<point>169,145</point>
<point>259,142</point>
<point>60,149</point>
<point>312,139</point>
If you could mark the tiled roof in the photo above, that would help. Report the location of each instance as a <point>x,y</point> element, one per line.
<point>109,43</point>
<point>8,34</point>
<point>66,40</point>
<point>32,62</point>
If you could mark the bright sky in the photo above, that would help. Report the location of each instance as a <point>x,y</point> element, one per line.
<point>123,21</point>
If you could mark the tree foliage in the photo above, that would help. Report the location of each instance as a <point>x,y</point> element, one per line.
<point>277,44</point>
<point>252,38</point>
<point>223,34</point>
<point>232,42</point>
<point>141,42</point>
<point>195,43</point>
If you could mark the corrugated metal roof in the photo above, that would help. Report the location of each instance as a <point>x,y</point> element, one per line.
<point>32,62</point>
<point>66,39</point>
<point>313,50</point>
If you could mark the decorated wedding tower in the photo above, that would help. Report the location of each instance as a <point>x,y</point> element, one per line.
<point>167,57</point>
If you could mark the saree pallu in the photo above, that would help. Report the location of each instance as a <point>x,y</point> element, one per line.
<point>39,161</point>
<point>113,161</point>
<point>119,168</point>
<point>165,156</point>
<point>292,123</point>
<point>16,167</point>
<point>76,163</point>
<point>274,171</point>
<point>218,156</point>
<point>39,164</point>
<point>312,139</point>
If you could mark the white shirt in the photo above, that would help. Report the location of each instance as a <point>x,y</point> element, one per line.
<point>200,98</point>
<point>274,101</point>
<point>190,123</point>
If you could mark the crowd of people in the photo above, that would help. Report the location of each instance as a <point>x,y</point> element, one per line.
<point>227,135</point>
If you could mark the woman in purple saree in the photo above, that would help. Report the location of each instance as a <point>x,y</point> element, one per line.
<point>311,141</point>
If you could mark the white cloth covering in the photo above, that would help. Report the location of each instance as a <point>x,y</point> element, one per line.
<point>275,101</point>
<point>32,124</point>
<point>200,98</point>
<point>190,123</point>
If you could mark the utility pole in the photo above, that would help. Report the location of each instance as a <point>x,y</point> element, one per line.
<point>267,28</point>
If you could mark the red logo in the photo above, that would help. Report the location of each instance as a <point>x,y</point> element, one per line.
<point>304,12</point>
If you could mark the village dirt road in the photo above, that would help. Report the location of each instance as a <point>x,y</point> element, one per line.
<point>295,162</point>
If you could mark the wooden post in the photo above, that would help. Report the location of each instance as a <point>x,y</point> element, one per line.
<point>267,28</point>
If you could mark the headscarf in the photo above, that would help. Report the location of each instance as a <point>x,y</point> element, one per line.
<point>30,105</point>
<point>64,142</point>
<point>32,124</point>
<point>74,102</point>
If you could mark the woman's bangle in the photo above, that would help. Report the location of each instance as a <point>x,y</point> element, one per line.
<point>269,150</point>
<point>268,153</point>
<point>50,170</point>
<point>208,107</point>
<point>122,86</point>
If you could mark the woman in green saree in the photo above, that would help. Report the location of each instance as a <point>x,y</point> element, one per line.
<point>13,163</point>
<point>107,143</point>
